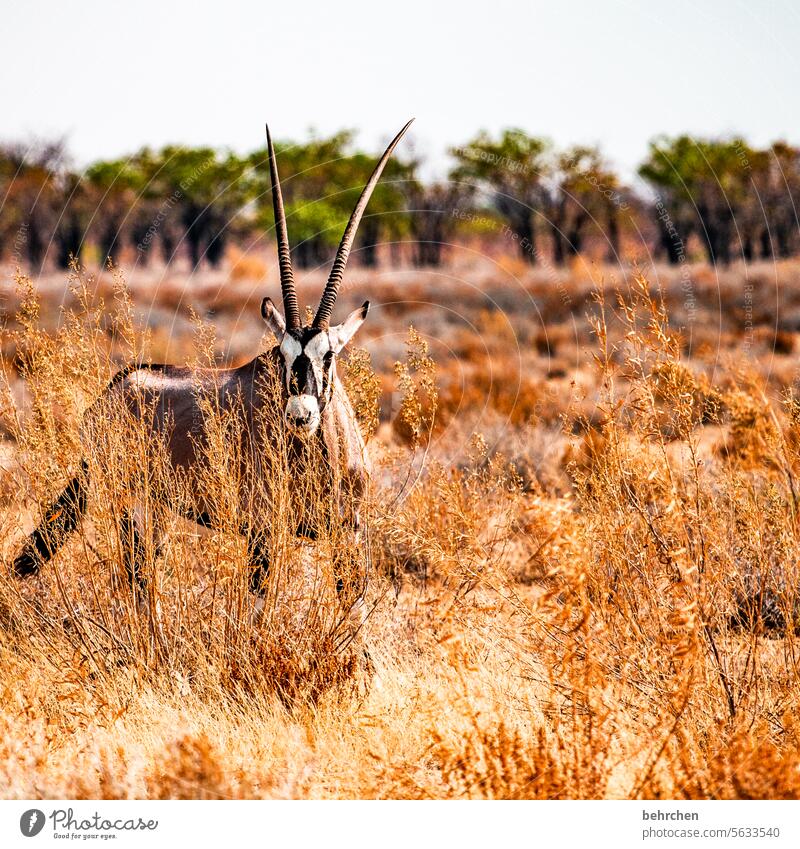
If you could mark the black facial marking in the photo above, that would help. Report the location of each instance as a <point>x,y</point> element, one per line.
<point>305,334</point>
<point>302,379</point>
<point>327,361</point>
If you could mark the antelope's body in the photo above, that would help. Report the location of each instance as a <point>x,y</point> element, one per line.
<point>316,417</point>
<point>174,400</point>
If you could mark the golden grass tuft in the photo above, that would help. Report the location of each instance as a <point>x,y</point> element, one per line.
<point>632,636</point>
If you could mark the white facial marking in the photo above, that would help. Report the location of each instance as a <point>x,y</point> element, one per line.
<point>318,346</point>
<point>290,347</point>
<point>291,350</point>
<point>315,350</point>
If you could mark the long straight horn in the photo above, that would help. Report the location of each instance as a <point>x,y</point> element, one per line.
<point>326,304</point>
<point>290,307</point>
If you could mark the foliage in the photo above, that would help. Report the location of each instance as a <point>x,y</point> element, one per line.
<point>514,191</point>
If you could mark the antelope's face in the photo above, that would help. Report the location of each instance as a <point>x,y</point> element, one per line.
<point>308,363</point>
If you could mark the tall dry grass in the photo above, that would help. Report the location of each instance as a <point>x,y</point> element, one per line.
<point>630,633</point>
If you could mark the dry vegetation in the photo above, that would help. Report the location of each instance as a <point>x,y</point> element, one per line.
<point>582,545</point>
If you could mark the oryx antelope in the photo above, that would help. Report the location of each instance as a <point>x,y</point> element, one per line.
<point>314,407</point>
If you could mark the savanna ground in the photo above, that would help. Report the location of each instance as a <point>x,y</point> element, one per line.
<point>582,543</point>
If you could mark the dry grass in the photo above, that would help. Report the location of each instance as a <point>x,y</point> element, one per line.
<point>582,545</point>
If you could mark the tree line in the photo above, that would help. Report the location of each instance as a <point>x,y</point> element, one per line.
<point>721,198</point>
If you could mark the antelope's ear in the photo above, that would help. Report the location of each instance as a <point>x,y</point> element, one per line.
<point>342,333</point>
<point>273,318</point>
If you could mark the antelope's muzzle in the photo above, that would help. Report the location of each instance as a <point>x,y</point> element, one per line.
<point>303,413</point>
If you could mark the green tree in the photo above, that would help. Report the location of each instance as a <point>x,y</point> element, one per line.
<point>115,187</point>
<point>321,181</point>
<point>583,191</point>
<point>769,224</point>
<point>208,191</point>
<point>312,214</point>
<point>31,188</point>
<point>703,186</point>
<point>513,170</point>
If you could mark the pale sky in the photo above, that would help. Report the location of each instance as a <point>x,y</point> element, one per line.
<point>112,77</point>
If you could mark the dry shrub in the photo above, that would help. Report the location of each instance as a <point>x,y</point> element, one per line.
<point>191,768</point>
<point>633,636</point>
<point>194,620</point>
<point>453,525</point>
<point>363,389</point>
<point>518,401</point>
<point>751,439</point>
<point>245,267</point>
<point>492,761</point>
<point>419,397</point>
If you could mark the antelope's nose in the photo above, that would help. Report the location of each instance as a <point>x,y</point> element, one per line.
<point>302,412</point>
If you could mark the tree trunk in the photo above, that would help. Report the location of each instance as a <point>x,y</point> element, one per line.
<point>311,253</point>
<point>710,235</point>
<point>717,233</point>
<point>194,241</point>
<point>527,238</point>
<point>34,245</point>
<point>783,239</point>
<point>574,241</point>
<point>748,251</point>
<point>766,244</point>
<point>559,255</point>
<point>428,253</point>
<point>215,248</point>
<point>671,241</point>
<point>108,240</point>
<point>370,235</point>
<point>612,254</point>
<point>68,240</point>
<point>169,245</point>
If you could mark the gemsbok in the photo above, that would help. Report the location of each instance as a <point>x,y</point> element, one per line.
<point>311,405</point>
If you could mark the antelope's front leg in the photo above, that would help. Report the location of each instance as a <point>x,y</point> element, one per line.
<point>141,539</point>
<point>258,556</point>
<point>259,562</point>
